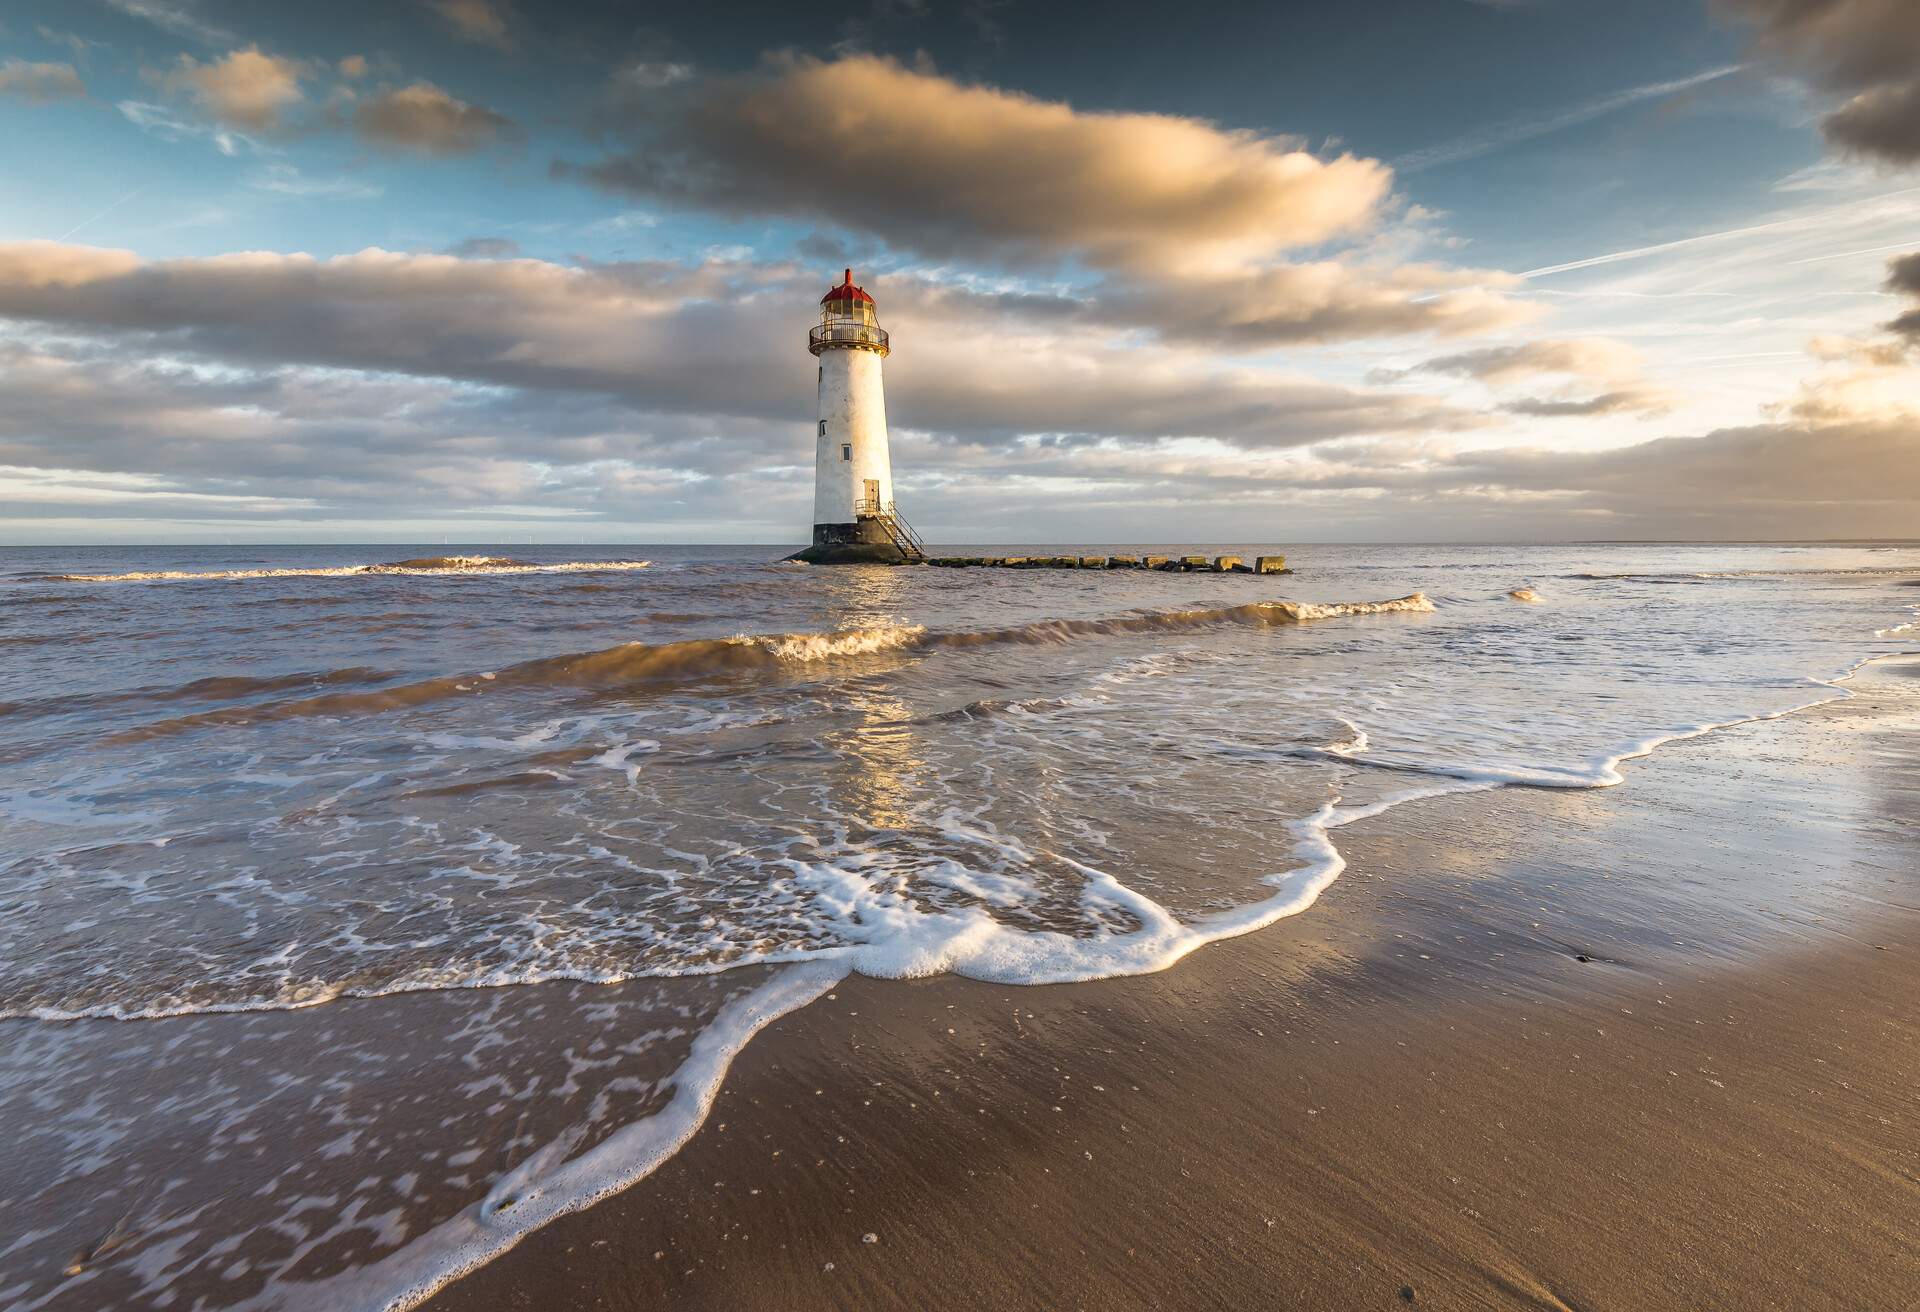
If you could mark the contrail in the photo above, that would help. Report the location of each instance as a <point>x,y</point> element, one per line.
<point>101,215</point>
<point>1516,130</point>
<point>1871,250</point>
<point>1798,221</point>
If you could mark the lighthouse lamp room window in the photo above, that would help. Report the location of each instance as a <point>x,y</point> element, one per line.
<point>854,519</point>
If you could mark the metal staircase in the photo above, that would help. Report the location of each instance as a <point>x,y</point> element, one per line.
<point>898,531</point>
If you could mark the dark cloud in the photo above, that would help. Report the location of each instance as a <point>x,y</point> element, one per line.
<point>1326,301</point>
<point>1903,274</point>
<point>1883,123</point>
<point>1583,357</point>
<point>1839,45</point>
<point>484,21</point>
<point>1903,278</point>
<point>1858,477</point>
<point>424,119</point>
<point>822,249</point>
<point>1867,50</point>
<point>1624,401</point>
<point>39,84</point>
<point>1802,479</point>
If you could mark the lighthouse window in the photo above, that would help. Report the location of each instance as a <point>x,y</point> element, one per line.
<point>823,428</point>
<point>846,451</point>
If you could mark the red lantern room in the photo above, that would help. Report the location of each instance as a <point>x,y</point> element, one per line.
<point>849,321</point>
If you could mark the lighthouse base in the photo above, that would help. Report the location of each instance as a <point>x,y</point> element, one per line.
<point>863,542</point>
<point>851,553</point>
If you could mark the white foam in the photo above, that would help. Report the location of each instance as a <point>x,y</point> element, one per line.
<point>1417,604</point>
<point>804,647</point>
<point>457,566</point>
<point>548,1184</point>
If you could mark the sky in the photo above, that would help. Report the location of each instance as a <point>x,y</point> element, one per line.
<point>1396,270</point>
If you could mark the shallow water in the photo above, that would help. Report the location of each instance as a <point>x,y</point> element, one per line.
<point>287,781</point>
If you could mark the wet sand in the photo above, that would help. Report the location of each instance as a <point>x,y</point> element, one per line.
<point>1648,1047</point>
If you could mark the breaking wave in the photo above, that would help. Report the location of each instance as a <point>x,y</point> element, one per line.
<point>638,663</point>
<point>1832,572</point>
<point>425,565</point>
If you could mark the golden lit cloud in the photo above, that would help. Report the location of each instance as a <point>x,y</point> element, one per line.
<point>247,89</point>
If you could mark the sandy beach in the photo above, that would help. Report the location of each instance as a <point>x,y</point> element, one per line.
<point>1651,1046</point>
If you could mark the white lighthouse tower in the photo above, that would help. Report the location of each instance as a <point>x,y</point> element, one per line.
<point>854,520</point>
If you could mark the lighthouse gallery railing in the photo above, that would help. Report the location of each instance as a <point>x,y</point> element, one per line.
<point>826,335</point>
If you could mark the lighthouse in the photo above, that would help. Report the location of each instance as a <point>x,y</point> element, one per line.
<point>854,519</point>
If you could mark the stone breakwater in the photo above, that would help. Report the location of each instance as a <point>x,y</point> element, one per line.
<point>1169,564</point>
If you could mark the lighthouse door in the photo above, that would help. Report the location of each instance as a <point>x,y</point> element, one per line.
<point>869,496</point>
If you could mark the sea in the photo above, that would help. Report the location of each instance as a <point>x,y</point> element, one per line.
<point>362,909</point>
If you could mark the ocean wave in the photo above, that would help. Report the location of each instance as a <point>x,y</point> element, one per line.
<point>1707,576</point>
<point>219,689</point>
<point>638,663</point>
<point>428,566</point>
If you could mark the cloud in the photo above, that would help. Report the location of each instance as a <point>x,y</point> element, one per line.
<point>284,179</point>
<point>822,248</point>
<point>1513,131</point>
<point>363,387</point>
<point>1903,275</point>
<point>1811,475</point>
<point>169,126</point>
<point>39,84</point>
<point>481,21</point>
<point>644,75</point>
<point>1857,351</point>
<point>1866,50</point>
<point>1631,400</point>
<point>246,89</point>
<point>647,337</point>
<point>1326,301</point>
<point>1903,278</point>
<point>1883,123</point>
<point>1584,357</point>
<point>950,168</point>
<point>1803,478</point>
<point>485,248</point>
<point>181,17</point>
<point>1186,223</point>
<point>425,119</point>
<point>353,67</point>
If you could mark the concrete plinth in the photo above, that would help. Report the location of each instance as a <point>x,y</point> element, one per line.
<point>851,553</point>
<point>1269,564</point>
<point>1226,564</point>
